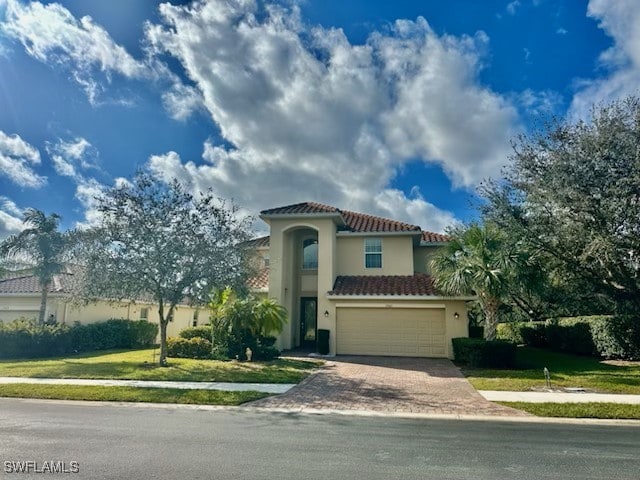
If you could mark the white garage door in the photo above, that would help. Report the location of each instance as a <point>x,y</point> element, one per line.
<point>406,332</point>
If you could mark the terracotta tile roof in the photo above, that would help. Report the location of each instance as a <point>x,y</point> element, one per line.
<point>31,284</point>
<point>360,222</point>
<point>304,207</point>
<point>260,281</point>
<point>258,242</point>
<point>354,221</point>
<point>401,285</point>
<point>431,237</point>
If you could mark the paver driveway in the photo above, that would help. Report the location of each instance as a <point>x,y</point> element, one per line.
<point>388,384</point>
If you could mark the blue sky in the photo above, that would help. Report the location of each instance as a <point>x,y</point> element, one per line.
<point>398,109</point>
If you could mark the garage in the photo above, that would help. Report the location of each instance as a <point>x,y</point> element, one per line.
<point>406,332</point>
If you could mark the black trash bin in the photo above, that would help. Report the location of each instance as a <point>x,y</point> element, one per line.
<point>323,341</point>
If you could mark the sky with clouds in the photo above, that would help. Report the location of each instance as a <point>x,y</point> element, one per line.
<point>398,109</point>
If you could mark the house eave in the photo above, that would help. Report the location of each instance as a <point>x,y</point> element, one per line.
<point>400,297</point>
<point>345,233</point>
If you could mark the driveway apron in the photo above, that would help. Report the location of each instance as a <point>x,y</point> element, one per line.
<point>388,384</point>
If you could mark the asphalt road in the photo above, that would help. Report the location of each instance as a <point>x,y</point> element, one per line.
<point>143,443</point>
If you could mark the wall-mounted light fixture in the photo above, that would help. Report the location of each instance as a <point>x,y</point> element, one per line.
<point>326,314</point>
<point>456,315</point>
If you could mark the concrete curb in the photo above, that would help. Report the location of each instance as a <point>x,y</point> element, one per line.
<point>276,388</point>
<point>346,413</point>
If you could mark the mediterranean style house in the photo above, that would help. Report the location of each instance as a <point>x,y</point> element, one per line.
<point>20,298</point>
<point>363,278</point>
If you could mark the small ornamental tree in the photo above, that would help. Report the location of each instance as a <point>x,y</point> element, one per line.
<point>156,241</point>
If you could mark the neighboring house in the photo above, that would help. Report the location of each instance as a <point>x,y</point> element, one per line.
<point>20,297</point>
<point>364,278</point>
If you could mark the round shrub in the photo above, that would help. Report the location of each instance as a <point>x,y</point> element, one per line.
<point>196,347</point>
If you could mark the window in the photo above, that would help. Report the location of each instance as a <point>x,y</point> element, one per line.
<point>195,318</point>
<point>144,313</point>
<point>266,260</point>
<point>373,253</point>
<point>310,254</point>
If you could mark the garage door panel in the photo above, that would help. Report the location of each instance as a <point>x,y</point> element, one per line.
<point>392,332</point>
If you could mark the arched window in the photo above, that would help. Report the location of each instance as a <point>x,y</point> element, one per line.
<point>310,254</point>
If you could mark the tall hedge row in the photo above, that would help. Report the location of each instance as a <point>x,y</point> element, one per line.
<point>609,336</point>
<point>28,339</point>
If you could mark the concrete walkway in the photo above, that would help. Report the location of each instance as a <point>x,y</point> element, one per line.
<point>559,397</point>
<point>276,388</point>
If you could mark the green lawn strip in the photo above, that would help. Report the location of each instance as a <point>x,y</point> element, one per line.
<point>566,371</point>
<point>140,365</point>
<point>129,394</point>
<point>578,410</point>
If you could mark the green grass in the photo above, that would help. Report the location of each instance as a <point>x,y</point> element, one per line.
<point>140,365</point>
<point>578,410</point>
<point>128,394</point>
<point>566,371</point>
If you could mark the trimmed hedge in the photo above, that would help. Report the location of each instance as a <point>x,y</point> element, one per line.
<point>609,336</point>
<point>476,331</point>
<point>203,331</point>
<point>484,353</point>
<point>195,347</point>
<point>27,339</point>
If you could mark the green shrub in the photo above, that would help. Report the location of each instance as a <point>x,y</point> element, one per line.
<point>510,332</point>
<point>195,347</point>
<point>534,334</point>
<point>527,333</point>
<point>27,339</point>
<point>203,331</point>
<point>572,335</point>
<point>476,331</point>
<point>617,336</point>
<point>483,353</point>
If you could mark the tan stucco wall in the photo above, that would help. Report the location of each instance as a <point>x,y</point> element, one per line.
<point>14,307</point>
<point>422,258</point>
<point>285,283</point>
<point>454,327</point>
<point>397,258</point>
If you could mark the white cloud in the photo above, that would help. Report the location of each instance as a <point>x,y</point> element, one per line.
<point>71,157</point>
<point>17,159</point>
<point>512,7</point>
<point>181,101</point>
<point>310,116</point>
<point>51,34</point>
<point>621,21</point>
<point>10,218</point>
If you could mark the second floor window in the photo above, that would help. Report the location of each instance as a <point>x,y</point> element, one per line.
<point>373,253</point>
<point>310,254</point>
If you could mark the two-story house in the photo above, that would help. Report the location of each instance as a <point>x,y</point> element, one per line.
<point>364,278</point>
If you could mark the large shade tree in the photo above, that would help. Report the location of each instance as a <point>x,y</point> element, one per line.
<point>41,246</point>
<point>480,260</point>
<point>573,193</point>
<point>156,241</point>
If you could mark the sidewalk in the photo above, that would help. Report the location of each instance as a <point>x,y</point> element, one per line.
<point>559,397</point>
<point>276,388</point>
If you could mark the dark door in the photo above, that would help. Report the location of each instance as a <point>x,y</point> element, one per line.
<point>308,321</point>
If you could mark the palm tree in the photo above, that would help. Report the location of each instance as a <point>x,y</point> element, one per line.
<point>478,260</point>
<point>40,244</point>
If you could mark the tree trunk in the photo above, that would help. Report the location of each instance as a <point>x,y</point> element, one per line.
<point>491,306</point>
<point>43,302</point>
<point>163,342</point>
<point>163,334</point>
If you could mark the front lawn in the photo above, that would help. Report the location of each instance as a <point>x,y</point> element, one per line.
<point>128,394</point>
<point>566,371</point>
<point>142,365</point>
